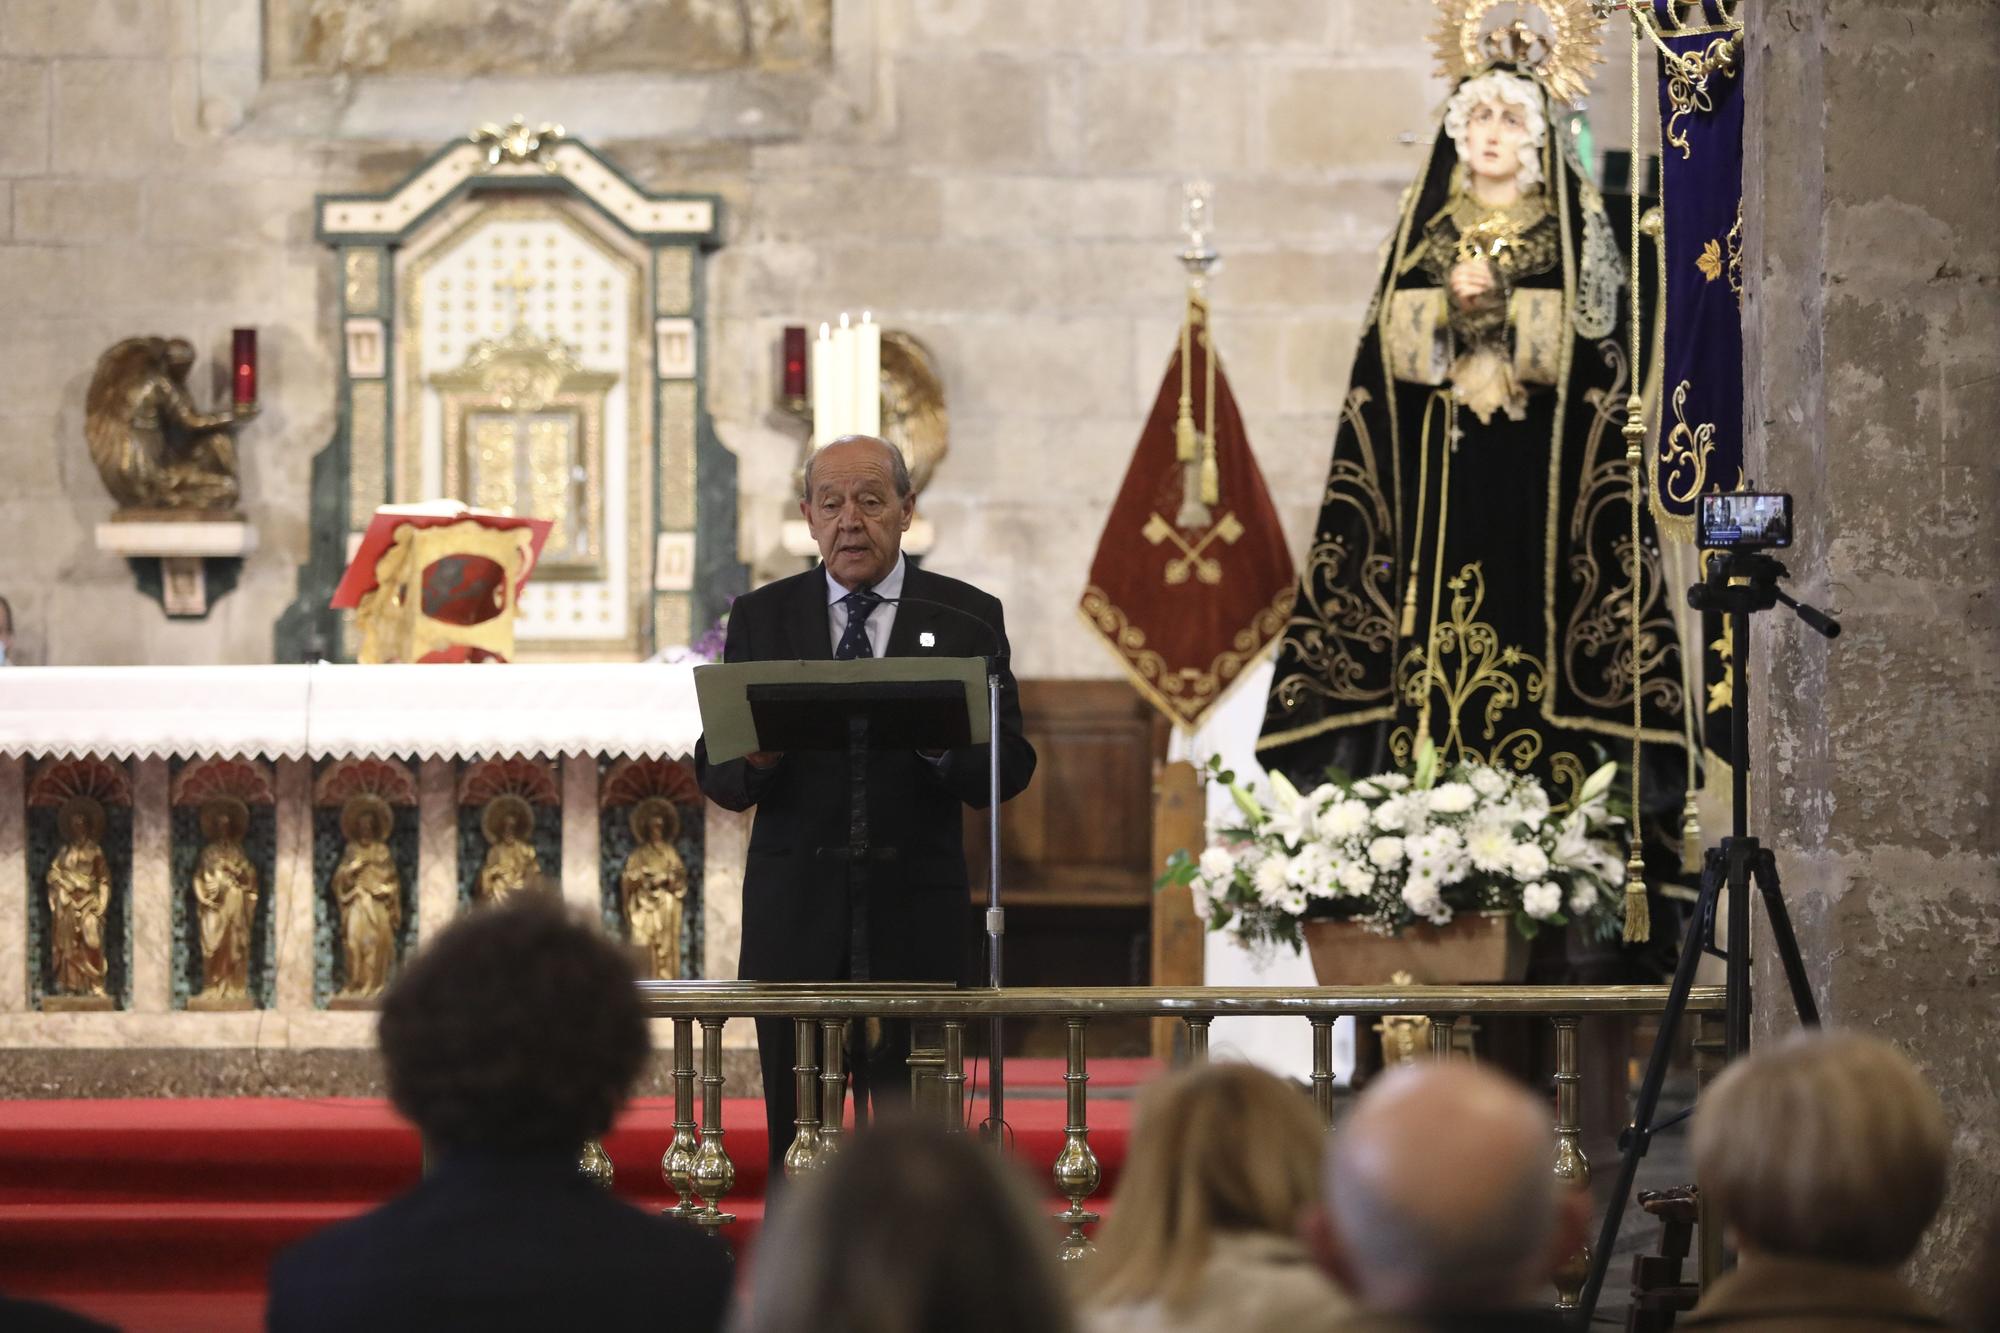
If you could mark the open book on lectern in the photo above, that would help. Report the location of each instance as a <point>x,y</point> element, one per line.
<point>886,703</point>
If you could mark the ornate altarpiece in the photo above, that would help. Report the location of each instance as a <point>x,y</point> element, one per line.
<point>523,329</point>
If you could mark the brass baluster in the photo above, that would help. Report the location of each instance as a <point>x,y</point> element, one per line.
<point>713,1172</point>
<point>1710,1052</point>
<point>677,1163</point>
<point>1572,1168</point>
<point>833,1087</point>
<point>1322,1076</point>
<point>594,1163</point>
<point>1077,1173</point>
<point>954,1077</point>
<point>805,1086</point>
<point>1441,1036</point>
<point>1197,1034</point>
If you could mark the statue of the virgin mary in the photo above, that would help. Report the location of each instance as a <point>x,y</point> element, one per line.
<point>1470,576</point>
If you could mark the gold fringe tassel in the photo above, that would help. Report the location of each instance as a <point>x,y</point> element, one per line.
<point>1690,833</point>
<point>1638,918</point>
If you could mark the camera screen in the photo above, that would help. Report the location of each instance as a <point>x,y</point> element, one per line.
<point>1745,519</point>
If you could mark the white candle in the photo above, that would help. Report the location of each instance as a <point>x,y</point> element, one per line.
<point>843,364</point>
<point>826,381</point>
<point>868,376</point>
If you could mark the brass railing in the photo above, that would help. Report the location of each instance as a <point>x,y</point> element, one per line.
<point>698,1168</point>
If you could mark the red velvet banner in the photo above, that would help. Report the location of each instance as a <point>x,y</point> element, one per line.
<point>1192,578</point>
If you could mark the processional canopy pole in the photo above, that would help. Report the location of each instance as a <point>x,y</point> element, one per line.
<point>1196,449</point>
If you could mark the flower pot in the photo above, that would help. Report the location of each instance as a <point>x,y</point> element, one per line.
<point>1477,947</point>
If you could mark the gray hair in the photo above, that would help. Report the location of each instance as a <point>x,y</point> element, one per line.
<point>899,467</point>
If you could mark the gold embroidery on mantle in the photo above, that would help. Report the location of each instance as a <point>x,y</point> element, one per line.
<point>1471,662</point>
<point>1354,622</point>
<point>1600,661</point>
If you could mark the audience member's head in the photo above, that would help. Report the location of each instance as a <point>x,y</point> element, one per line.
<point>1825,1146</point>
<point>519,1030</point>
<point>907,1230</point>
<point>1440,1194</point>
<point>1222,1148</point>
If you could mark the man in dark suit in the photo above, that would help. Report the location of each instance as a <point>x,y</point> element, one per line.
<point>797,916</point>
<point>508,1042</point>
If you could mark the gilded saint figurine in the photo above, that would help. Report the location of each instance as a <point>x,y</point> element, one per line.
<point>152,446</point>
<point>654,888</point>
<point>79,885</point>
<point>369,893</point>
<point>225,896</point>
<point>511,866</point>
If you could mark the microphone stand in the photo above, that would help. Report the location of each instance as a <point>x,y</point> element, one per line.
<point>996,915</point>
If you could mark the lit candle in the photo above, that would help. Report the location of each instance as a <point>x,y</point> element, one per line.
<point>843,361</point>
<point>868,376</point>
<point>825,381</point>
<point>243,366</point>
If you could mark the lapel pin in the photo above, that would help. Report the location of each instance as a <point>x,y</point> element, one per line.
<point>927,640</point>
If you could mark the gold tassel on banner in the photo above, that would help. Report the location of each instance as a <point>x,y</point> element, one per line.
<point>1211,477</point>
<point>1184,425</point>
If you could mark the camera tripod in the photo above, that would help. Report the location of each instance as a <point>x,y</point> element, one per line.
<point>1738,584</point>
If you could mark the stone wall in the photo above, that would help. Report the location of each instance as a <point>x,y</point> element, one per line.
<point>998,176</point>
<point>1873,304</point>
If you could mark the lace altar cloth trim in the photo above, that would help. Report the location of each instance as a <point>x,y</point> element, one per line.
<point>329,711</point>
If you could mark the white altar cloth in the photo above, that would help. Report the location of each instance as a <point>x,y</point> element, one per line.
<point>327,710</point>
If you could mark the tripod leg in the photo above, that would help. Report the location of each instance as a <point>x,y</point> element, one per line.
<point>1765,872</point>
<point>1638,1134</point>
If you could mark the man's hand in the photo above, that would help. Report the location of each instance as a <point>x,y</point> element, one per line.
<point>764,758</point>
<point>1470,279</point>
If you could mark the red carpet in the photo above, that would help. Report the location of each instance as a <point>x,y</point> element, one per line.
<point>165,1214</point>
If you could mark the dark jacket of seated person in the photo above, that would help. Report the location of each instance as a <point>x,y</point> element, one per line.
<point>508,1042</point>
<point>492,1242</point>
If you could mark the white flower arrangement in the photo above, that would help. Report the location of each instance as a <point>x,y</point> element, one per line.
<point>1390,851</point>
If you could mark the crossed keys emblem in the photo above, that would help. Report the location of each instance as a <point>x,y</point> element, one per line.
<point>1193,558</point>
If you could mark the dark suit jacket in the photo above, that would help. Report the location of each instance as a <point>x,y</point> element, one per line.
<point>494,1243</point>
<point>795,910</point>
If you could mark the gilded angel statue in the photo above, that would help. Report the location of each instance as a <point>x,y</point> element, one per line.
<point>152,446</point>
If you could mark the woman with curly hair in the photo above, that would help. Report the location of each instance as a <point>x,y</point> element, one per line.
<point>508,1042</point>
<point>1204,1226</point>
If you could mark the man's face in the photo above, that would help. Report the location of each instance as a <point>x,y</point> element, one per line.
<point>854,512</point>
<point>1494,133</point>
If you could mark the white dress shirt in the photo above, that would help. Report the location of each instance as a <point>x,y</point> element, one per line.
<point>880,621</point>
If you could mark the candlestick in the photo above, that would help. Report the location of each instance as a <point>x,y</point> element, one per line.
<point>868,376</point>
<point>243,366</point>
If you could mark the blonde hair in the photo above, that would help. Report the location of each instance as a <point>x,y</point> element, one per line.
<point>1226,1147</point>
<point>1502,87</point>
<point>1826,1146</point>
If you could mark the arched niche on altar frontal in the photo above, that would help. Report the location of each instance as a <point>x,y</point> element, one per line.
<point>522,329</point>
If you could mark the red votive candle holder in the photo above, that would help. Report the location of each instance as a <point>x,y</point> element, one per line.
<point>795,361</point>
<point>243,365</point>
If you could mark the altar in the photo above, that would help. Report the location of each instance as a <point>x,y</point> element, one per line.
<point>152,754</point>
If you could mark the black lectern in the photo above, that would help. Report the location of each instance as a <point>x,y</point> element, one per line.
<point>881,703</point>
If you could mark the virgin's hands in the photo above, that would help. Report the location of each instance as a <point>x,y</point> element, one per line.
<point>1470,280</point>
<point>764,758</point>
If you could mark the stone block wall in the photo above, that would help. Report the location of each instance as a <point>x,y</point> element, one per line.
<point>1000,177</point>
<point>1872,318</point>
